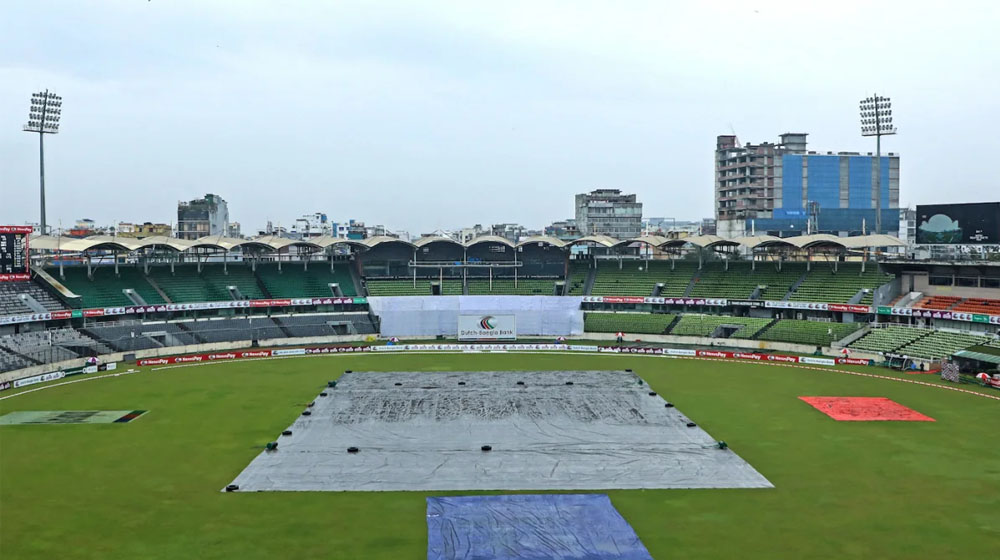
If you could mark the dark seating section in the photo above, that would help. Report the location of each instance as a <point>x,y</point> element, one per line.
<point>11,302</point>
<point>326,324</point>
<point>576,282</point>
<point>46,346</point>
<point>10,361</point>
<point>129,337</point>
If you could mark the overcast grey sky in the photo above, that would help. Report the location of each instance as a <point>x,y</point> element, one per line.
<point>420,115</point>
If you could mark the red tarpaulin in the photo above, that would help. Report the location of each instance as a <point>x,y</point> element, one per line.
<point>864,409</point>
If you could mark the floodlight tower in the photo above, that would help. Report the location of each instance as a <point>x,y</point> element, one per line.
<point>43,119</point>
<point>876,120</point>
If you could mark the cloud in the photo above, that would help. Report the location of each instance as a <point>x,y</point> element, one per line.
<point>444,114</point>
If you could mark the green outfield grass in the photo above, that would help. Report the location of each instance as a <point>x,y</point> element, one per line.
<point>149,489</point>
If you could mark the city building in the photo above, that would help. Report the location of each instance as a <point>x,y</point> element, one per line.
<point>145,229</point>
<point>608,212</point>
<point>908,226</point>
<point>510,232</point>
<point>312,225</point>
<point>201,217</point>
<point>783,189</point>
<point>84,227</point>
<point>466,235</point>
<point>564,230</point>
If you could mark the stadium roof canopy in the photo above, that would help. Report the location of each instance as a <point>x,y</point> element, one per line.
<point>702,241</point>
<point>372,242</point>
<point>325,241</point>
<point>227,243</point>
<point>168,242</point>
<point>490,239</point>
<point>75,244</point>
<point>548,240</point>
<point>423,241</point>
<point>763,241</point>
<point>274,243</point>
<point>47,242</point>
<point>652,240</point>
<point>870,241</point>
<point>279,243</point>
<point>815,241</point>
<point>602,240</point>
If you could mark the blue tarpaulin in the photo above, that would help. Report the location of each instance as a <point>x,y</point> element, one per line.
<point>525,527</point>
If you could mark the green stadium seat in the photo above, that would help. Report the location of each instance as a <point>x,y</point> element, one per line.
<point>292,281</point>
<point>105,290</point>
<point>639,278</point>
<point>813,333</point>
<point>505,286</point>
<point>633,323</point>
<point>705,325</point>
<point>187,285</point>
<point>740,280</point>
<point>577,280</point>
<point>887,339</point>
<point>822,284</point>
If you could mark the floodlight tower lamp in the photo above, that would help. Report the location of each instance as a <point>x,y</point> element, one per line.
<point>43,118</point>
<point>876,120</point>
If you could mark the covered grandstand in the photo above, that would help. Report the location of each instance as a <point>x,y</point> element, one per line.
<point>815,291</point>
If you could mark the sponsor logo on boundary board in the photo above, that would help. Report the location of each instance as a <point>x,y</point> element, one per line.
<point>487,327</point>
<point>721,354</point>
<point>169,307</point>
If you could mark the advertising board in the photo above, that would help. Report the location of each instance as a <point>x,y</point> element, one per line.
<point>487,327</point>
<point>975,223</point>
<point>14,253</point>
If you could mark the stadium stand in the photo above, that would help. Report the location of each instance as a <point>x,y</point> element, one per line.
<point>978,305</point>
<point>706,325</point>
<point>937,302</point>
<point>11,361</point>
<point>740,281</point>
<point>12,304</point>
<point>131,336</point>
<point>451,287</point>
<point>888,339</point>
<point>187,285</point>
<point>823,284</point>
<point>576,283</point>
<point>388,287</point>
<point>639,278</point>
<point>325,325</point>
<point>126,336</point>
<point>505,286</point>
<point>53,345</point>
<point>941,344</point>
<point>293,281</point>
<point>106,288</point>
<point>627,281</point>
<point>635,323</point>
<point>814,333</point>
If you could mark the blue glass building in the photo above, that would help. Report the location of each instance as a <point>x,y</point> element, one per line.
<point>777,188</point>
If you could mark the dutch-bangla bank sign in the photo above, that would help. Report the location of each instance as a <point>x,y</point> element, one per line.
<point>487,327</point>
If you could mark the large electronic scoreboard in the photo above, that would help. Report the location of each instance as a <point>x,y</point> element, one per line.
<point>14,262</point>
